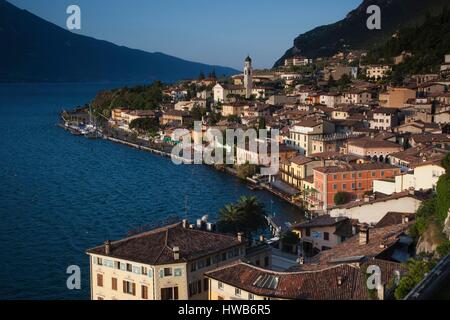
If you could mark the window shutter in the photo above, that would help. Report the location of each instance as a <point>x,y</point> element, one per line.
<point>114,284</point>
<point>175,293</point>
<point>161,273</point>
<point>134,289</point>
<point>124,286</point>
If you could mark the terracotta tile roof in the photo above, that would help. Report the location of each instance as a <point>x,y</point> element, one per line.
<point>316,285</point>
<point>380,240</point>
<point>355,167</point>
<point>393,218</point>
<point>404,194</point>
<point>156,247</point>
<point>368,143</point>
<point>321,221</point>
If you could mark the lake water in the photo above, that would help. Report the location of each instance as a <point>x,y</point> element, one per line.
<point>62,194</point>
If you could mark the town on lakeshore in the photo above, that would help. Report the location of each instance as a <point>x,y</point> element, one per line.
<point>365,160</point>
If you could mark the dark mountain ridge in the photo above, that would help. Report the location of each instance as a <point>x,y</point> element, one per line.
<point>352,31</point>
<point>34,50</point>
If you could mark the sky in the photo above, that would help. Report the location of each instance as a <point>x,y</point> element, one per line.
<point>208,31</point>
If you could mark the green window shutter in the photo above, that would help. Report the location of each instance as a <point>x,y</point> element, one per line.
<point>178,272</point>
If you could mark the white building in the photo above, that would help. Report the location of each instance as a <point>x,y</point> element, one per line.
<point>377,72</point>
<point>372,211</point>
<point>423,177</point>
<point>356,97</point>
<point>331,100</point>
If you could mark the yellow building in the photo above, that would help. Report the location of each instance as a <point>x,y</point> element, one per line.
<point>164,264</point>
<point>233,109</point>
<point>396,97</point>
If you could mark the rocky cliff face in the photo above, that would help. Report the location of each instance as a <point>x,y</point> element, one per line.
<point>352,31</point>
<point>447,226</point>
<point>430,240</point>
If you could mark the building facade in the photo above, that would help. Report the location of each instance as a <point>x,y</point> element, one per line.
<point>164,264</point>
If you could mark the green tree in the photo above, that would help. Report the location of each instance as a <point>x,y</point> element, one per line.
<point>145,125</point>
<point>245,171</point>
<point>443,198</point>
<point>443,249</point>
<point>341,198</point>
<point>247,216</point>
<point>416,270</point>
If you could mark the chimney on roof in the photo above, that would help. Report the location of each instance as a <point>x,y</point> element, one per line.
<point>176,253</point>
<point>211,227</point>
<point>405,219</point>
<point>364,236</point>
<point>240,237</point>
<point>185,224</point>
<point>107,247</point>
<point>201,224</point>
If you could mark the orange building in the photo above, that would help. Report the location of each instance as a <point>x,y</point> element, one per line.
<point>354,179</point>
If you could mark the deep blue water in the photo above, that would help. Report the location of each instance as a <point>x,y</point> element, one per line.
<point>62,194</point>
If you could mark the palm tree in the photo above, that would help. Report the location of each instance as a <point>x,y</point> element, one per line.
<point>229,220</point>
<point>247,216</point>
<point>253,214</point>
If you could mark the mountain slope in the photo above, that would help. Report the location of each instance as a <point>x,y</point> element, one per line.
<point>353,33</point>
<point>36,50</point>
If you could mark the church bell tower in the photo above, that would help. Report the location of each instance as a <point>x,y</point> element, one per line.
<point>248,77</point>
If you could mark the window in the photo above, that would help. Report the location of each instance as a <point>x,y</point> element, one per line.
<point>129,287</point>
<point>167,272</point>
<point>224,256</point>
<point>266,261</point>
<point>100,261</point>
<point>220,285</point>
<point>169,293</point>
<point>326,236</point>
<point>144,292</point>
<point>251,297</point>
<point>208,262</point>
<point>194,266</point>
<point>335,177</point>
<point>200,264</point>
<point>335,186</point>
<point>237,292</point>
<point>344,186</point>
<point>117,265</point>
<point>129,267</point>
<point>99,280</point>
<point>308,232</point>
<point>195,288</point>
<point>360,175</point>
<point>382,173</point>
<point>373,173</point>
<point>353,186</point>
<point>114,284</point>
<point>144,271</point>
